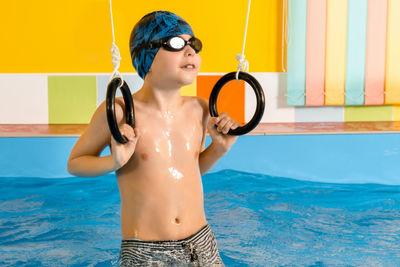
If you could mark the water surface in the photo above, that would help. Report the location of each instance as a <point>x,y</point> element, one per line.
<point>258,220</point>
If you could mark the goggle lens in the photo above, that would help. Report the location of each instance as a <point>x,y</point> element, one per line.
<point>177,43</point>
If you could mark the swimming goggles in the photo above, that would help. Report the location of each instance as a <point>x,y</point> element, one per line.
<point>172,43</point>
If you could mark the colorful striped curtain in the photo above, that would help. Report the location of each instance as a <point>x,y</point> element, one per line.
<point>343,52</point>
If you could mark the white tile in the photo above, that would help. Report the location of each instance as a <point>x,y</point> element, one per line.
<point>24,99</point>
<point>319,114</point>
<point>274,86</point>
<point>133,80</point>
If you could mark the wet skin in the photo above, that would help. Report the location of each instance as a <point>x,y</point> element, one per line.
<point>160,186</point>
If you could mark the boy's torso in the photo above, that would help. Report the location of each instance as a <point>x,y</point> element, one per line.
<point>160,186</point>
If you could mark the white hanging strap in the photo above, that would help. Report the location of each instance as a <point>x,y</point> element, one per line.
<point>116,58</point>
<point>243,63</point>
<point>284,33</point>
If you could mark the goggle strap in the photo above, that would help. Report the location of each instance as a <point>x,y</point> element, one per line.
<point>160,42</point>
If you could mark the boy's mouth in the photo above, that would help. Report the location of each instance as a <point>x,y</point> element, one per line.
<point>189,67</point>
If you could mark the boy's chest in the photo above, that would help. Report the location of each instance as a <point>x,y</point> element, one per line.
<point>169,134</point>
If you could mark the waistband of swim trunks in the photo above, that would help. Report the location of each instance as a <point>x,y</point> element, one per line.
<point>149,243</point>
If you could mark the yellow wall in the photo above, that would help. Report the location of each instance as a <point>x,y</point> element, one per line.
<point>74,36</point>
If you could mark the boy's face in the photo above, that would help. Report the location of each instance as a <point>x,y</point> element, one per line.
<point>170,67</point>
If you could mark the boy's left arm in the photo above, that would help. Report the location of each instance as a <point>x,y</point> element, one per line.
<point>221,141</point>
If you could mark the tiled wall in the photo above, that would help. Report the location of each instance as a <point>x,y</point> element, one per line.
<point>58,61</point>
<point>343,53</point>
<point>73,98</point>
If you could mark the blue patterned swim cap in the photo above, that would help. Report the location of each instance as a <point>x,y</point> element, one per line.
<point>154,26</point>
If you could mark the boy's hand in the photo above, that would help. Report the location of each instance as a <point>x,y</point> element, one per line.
<point>221,140</point>
<point>123,152</point>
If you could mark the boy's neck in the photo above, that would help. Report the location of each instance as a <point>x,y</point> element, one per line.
<point>162,99</point>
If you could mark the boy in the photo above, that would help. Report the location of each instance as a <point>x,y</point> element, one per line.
<point>159,170</point>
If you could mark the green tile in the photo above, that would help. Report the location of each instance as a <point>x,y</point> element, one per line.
<point>368,113</point>
<point>71,99</point>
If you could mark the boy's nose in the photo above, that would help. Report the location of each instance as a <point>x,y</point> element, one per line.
<point>189,51</point>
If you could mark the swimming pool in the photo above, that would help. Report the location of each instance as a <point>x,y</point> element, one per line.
<point>258,219</point>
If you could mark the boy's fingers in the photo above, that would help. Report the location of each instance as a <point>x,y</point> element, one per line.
<point>127,131</point>
<point>136,134</point>
<point>131,134</point>
<point>235,125</point>
<point>227,127</point>
<point>223,115</point>
<point>222,123</point>
<point>213,121</point>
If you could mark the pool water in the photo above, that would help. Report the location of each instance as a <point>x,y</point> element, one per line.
<point>258,220</point>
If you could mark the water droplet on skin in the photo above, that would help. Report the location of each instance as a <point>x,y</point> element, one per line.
<point>167,115</point>
<point>170,147</point>
<point>175,173</point>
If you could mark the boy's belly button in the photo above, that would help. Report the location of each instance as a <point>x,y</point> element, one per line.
<point>176,220</point>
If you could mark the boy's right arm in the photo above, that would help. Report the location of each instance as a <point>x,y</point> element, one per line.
<point>84,159</point>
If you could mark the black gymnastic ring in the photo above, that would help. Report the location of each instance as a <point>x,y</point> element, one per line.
<point>112,87</point>
<point>259,95</point>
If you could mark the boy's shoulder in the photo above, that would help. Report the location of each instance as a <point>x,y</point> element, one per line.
<point>119,108</point>
<point>197,101</point>
<point>198,106</point>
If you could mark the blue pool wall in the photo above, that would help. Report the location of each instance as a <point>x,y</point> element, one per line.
<point>332,158</point>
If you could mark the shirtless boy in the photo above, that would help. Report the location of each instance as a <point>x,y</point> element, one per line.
<point>159,170</point>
